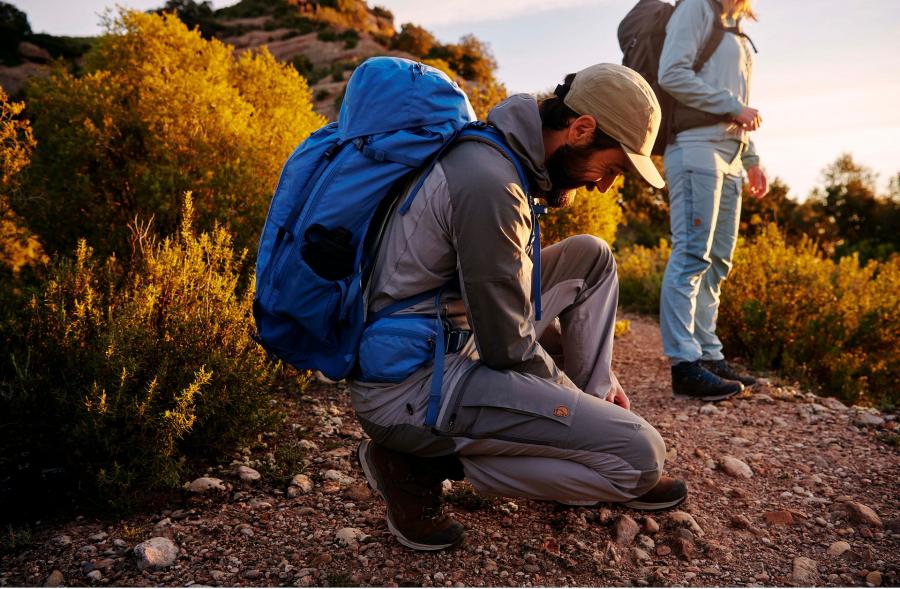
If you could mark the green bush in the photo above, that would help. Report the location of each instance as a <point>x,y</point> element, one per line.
<point>122,376</point>
<point>834,323</point>
<point>641,271</point>
<point>160,111</point>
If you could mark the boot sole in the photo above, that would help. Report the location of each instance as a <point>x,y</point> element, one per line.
<point>373,483</point>
<point>644,506</point>
<point>721,397</point>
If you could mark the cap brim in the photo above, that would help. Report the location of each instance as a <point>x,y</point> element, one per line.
<point>645,167</point>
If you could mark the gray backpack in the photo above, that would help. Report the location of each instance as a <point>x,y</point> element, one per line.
<point>642,34</point>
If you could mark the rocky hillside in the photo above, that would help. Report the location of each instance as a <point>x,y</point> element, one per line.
<point>323,40</point>
<point>786,488</point>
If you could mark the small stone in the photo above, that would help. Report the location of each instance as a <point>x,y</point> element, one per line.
<point>741,522</point>
<point>874,578</point>
<point>683,519</point>
<point>438,577</point>
<point>663,550</point>
<point>337,476</point>
<point>709,409</point>
<point>866,419</point>
<point>247,474</point>
<point>350,536</point>
<point>806,571</point>
<point>861,514</point>
<point>61,540</point>
<point>259,504</point>
<point>834,404</point>
<point>94,575</point>
<point>252,574</point>
<point>626,530</point>
<point>838,548</point>
<point>650,525</point>
<point>359,492</point>
<point>639,555</point>
<point>683,548</point>
<point>156,553</point>
<point>736,468</point>
<point>217,576</point>
<point>98,537</point>
<point>646,543</point>
<point>778,518</point>
<point>88,549</point>
<point>308,446</point>
<point>206,484</point>
<point>302,483</point>
<point>55,579</point>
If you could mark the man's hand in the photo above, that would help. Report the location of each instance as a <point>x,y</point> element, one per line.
<point>617,394</point>
<point>749,119</point>
<point>757,182</point>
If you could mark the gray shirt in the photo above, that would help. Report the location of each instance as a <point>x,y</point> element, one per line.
<point>721,87</point>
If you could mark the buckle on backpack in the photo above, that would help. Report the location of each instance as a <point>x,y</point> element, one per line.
<point>455,340</point>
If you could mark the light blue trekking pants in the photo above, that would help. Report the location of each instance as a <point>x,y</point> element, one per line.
<point>704,179</point>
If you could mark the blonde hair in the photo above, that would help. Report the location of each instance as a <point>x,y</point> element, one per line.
<point>739,9</point>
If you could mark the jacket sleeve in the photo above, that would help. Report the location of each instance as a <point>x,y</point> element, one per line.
<point>750,158</point>
<point>689,27</point>
<point>491,228</point>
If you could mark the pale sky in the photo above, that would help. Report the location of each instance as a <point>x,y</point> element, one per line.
<point>826,78</point>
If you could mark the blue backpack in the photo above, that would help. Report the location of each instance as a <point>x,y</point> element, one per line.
<point>396,119</point>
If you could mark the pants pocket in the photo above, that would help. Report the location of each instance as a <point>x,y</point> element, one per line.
<point>704,190</point>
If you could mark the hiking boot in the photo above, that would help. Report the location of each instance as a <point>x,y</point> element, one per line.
<point>690,380</point>
<point>667,493</point>
<point>723,369</point>
<point>413,506</point>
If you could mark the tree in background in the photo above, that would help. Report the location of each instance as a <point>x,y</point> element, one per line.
<point>193,14</point>
<point>414,39</point>
<point>14,29</point>
<point>160,111</point>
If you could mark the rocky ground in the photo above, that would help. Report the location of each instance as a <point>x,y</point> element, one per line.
<point>785,489</point>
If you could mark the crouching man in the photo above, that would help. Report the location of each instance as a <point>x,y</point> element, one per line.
<point>509,419</point>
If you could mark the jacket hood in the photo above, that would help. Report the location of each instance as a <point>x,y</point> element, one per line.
<point>518,119</point>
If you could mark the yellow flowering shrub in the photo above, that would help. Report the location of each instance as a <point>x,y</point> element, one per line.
<point>641,272</point>
<point>159,111</point>
<point>121,376</point>
<point>593,213</point>
<point>834,323</point>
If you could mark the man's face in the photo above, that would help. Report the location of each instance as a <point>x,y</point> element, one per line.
<point>572,166</point>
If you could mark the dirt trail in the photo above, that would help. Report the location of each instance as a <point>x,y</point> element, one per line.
<point>821,508</point>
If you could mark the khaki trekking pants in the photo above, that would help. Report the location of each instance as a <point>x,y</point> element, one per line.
<point>518,435</point>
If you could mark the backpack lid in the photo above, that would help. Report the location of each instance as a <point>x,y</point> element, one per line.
<point>388,94</point>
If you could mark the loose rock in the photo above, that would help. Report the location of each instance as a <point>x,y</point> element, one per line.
<point>247,474</point>
<point>350,536</point>
<point>683,519</point>
<point>156,553</point>
<point>736,468</point>
<point>337,476</point>
<point>206,484</point>
<point>838,548</point>
<point>300,485</point>
<point>94,575</point>
<point>861,514</point>
<point>867,420</point>
<point>626,530</point>
<point>650,525</point>
<point>806,572</point>
<point>874,578</point>
<point>778,518</point>
<point>55,579</point>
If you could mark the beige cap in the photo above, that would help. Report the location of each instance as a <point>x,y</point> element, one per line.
<point>625,108</point>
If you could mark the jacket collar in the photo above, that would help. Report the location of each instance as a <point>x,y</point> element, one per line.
<point>519,120</point>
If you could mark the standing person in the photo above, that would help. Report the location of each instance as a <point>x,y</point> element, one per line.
<point>510,420</point>
<point>704,174</point>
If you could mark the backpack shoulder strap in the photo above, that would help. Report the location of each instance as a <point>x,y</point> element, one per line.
<point>715,38</point>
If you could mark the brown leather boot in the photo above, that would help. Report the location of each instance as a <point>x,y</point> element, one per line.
<point>667,493</point>
<point>413,504</point>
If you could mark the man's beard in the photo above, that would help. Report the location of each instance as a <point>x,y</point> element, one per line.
<point>564,166</point>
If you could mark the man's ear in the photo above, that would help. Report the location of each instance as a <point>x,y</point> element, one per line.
<point>581,132</point>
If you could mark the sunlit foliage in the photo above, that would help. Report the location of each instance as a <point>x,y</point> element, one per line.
<point>160,111</point>
<point>119,374</point>
<point>593,213</point>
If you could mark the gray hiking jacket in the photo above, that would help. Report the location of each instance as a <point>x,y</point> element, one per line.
<point>471,221</point>
<point>721,87</point>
